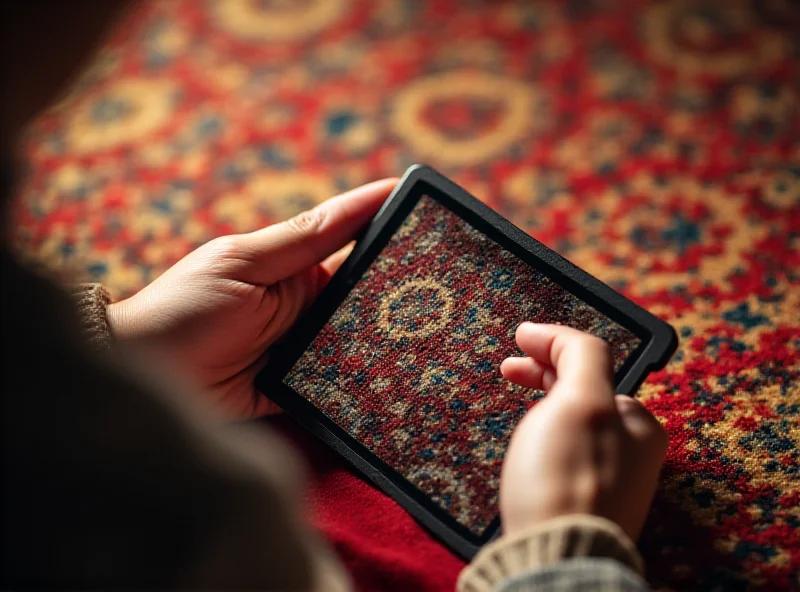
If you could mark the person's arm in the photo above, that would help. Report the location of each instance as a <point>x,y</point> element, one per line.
<point>575,552</point>
<point>578,551</point>
<point>210,318</point>
<point>214,314</point>
<point>577,575</point>
<point>110,480</point>
<point>92,302</point>
<point>114,480</point>
<point>579,476</point>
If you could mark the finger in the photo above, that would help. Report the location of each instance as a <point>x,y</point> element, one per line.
<point>295,293</point>
<point>581,361</point>
<point>311,281</point>
<point>527,372</point>
<point>649,441</point>
<point>283,249</point>
<point>329,267</point>
<point>643,426</point>
<point>262,405</point>
<point>326,270</point>
<point>317,277</point>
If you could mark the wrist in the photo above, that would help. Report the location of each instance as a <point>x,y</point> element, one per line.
<point>121,322</point>
<point>547,543</point>
<point>92,304</point>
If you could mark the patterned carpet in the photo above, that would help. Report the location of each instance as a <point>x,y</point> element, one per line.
<point>407,364</point>
<point>657,145</point>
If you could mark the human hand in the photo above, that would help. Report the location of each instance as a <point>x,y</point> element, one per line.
<point>582,449</point>
<point>214,314</point>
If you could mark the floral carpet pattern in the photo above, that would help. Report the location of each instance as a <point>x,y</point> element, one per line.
<point>407,364</point>
<point>654,144</point>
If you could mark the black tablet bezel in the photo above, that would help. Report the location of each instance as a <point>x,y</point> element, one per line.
<point>658,339</point>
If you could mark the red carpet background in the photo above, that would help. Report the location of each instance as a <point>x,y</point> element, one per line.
<point>657,145</point>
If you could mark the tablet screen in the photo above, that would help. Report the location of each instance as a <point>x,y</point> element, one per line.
<point>408,365</point>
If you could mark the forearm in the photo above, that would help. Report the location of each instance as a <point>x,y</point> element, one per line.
<point>235,480</point>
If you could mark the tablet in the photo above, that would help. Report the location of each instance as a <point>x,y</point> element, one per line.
<point>396,365</point>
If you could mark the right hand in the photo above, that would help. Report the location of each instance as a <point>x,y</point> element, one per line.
<point>583,449</point>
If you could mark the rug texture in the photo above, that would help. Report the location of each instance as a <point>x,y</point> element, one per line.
<point>656,145</point>
<point>408,363</point>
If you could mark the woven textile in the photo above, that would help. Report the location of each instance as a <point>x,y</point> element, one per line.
<point>654,144</point>
<point>408,364</point>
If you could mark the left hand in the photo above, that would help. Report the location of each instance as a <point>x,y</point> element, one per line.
<point>215,313</point>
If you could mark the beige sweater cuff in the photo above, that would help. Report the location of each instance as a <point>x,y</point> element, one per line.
<point>92,301</point>
<point>577,535</point>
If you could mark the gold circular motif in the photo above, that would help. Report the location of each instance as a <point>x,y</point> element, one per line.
<point>280,21</point>
<point>387,316</point>
<point>663,20</point>
<point>540,187</point>
<point>607,138</point>
<point>783,190</point>
<point>431,144</point>
<point>278,196</point>
<point>723,208</point>
<point>126,112</point>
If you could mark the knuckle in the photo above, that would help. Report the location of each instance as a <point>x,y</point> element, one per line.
<point>593,412</point>
<point>661,435</point>
<point>627,405</point>
<point>600,416</point>
<point>224,247</point>
<point>657,440</point>
<point>655,434</point>
<point>308,222</point>
<point>599,347</point>
<point>597,343</point>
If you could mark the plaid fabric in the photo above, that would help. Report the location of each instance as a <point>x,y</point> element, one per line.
<point>578,575</point>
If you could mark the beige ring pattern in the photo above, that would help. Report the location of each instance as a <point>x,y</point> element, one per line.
<point>726,209</point>
<point>273,193</point>
<point>660,19</point>
<point>149,106</point>
<point>385,313</point>
<point>430,144</point>
<point>297,20</point>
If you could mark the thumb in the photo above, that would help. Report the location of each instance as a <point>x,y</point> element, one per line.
<point>282,250</point>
